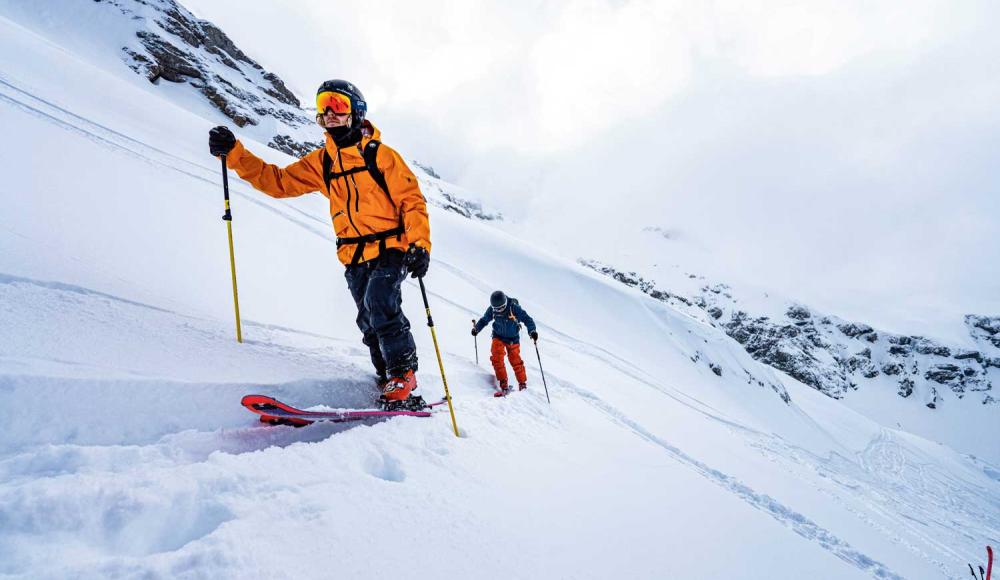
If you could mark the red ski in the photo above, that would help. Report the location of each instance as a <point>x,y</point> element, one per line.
<point>989,566</point>
<point>274,412</point>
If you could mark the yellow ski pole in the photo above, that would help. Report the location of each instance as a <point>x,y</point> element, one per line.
<point>430,323</point>
<point>228,218</point>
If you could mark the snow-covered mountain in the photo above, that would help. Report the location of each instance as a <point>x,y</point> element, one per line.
<point>667,451</point>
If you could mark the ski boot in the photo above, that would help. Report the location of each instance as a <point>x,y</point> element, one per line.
<point>502,390</point>
<point>397,394</point>
<point>522,386</point>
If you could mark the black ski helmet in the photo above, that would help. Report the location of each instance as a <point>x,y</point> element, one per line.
<point>358,105</point>
<point>498,300</point>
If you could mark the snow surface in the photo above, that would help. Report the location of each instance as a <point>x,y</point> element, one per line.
<point>126,452</point>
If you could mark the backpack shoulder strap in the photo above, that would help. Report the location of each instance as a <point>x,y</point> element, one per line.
<point>370,153</point>
<point>327,170</point>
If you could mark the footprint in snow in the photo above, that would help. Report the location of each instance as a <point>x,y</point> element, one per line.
<point>385,467</point>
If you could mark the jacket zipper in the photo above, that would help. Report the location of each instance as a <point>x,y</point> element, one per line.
<point>348,186</point>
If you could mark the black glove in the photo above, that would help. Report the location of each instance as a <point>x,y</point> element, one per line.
<point>221,141</point>
<point>474,332</point>
<point>533,335</point>
<point>417,261</point>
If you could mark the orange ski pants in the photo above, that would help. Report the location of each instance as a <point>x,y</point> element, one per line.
<point>513,351</point>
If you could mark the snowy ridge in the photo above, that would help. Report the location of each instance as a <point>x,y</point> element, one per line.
<point>129,454</point>
<point>792,345</point>
<point>849,360</point>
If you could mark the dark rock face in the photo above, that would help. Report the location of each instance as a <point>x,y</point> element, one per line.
<point>800,313</point>
<point>898,350</point>
<point>173,45</point>
<point>862,362</point>
<point>286,144</point>
<point>854,330</point>
<point>924,346</point>
<point>969,354</point>
<point>959,379</point>
<point>905,388</point>
<point>465,207</point>
<point>427,169</point>
<point>892,368</point>
<point>834,356</point>
<point>636,281</point>
<point>788,348</point>
<point>468,208</point>
<point>985,328</point>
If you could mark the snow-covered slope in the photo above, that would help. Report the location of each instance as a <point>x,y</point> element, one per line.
<point>667,450</point>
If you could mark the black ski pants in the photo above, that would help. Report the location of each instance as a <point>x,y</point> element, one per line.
<point>375,286</point>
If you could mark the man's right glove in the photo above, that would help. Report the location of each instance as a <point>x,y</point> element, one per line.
<point>417,261</point>
<point>533,335</point>
<point>221,141</point>
<point>474,332</point>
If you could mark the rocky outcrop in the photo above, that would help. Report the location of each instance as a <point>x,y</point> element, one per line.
<point>290,146</point>
<point>427,169</point>
<point>438,196</point>
<point>796,349</point>
<point>986,328</point>
<point>172,45</point>
<point>636,281</point>
<point>836,356</point>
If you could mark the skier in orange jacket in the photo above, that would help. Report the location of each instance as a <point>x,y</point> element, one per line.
<point>379,216</point>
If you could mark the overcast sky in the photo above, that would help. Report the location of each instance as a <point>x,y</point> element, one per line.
<point>846,151</point>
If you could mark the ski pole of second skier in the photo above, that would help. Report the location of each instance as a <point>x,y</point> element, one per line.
<point>476,340</point>
<point>228,218</point>
<point>430,323</point>
<point>540,369</point>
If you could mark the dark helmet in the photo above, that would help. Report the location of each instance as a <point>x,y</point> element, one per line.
<point>498,300</point>
<point>358,105</point>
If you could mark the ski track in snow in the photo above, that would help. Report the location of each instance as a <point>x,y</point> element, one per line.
<point>799,523</point>
<point>107,137</point>
<point>897,487</point>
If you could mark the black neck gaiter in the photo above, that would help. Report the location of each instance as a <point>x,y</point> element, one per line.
<point>345,136</point>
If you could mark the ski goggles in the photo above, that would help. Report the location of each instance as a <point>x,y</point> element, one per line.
<point>336,102</point>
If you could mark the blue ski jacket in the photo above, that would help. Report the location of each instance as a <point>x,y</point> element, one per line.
<point>507,322</point>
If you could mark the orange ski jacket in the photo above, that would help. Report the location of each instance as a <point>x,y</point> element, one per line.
<point>358,205</point>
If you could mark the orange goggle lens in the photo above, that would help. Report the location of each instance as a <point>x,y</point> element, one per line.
<point>338,103</point>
